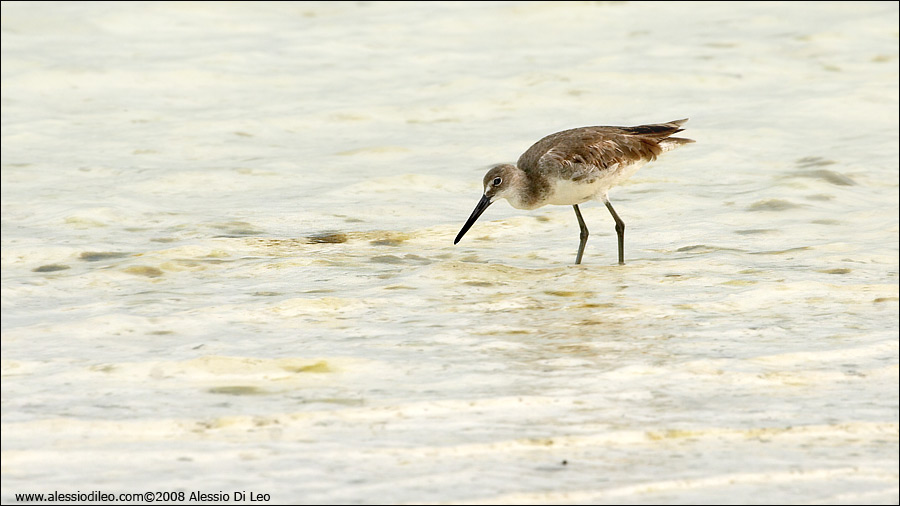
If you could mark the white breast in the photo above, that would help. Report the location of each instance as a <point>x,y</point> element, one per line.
<point>567,192</point>
<point>573,192</point>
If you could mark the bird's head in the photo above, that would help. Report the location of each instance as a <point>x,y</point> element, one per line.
<point>499,183</point>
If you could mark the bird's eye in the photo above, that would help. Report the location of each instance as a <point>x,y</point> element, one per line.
<point>497,181</point>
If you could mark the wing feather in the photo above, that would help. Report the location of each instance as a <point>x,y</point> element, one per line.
<point>584,153</point>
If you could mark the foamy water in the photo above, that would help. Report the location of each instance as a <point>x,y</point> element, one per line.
<point>227,259</point>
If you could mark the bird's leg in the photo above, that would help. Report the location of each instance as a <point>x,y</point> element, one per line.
<point>584,234</point>
<point>620,230</point>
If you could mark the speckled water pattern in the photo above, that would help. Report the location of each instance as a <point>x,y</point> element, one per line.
<point>227,259</point>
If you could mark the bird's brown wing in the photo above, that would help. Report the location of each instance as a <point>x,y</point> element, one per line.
<point>579,153</point>
<point>589,152</point>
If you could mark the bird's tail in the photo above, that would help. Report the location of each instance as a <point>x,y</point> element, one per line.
<point>669,143</point>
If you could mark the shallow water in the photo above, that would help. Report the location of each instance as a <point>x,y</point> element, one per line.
<point>227,259</point>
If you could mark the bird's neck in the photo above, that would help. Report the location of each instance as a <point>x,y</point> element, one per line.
<point>529,190</point>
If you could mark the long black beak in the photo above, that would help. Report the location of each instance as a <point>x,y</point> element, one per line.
<point>482,205</point>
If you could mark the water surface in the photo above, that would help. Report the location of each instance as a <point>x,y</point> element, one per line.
<point>227,259</point>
